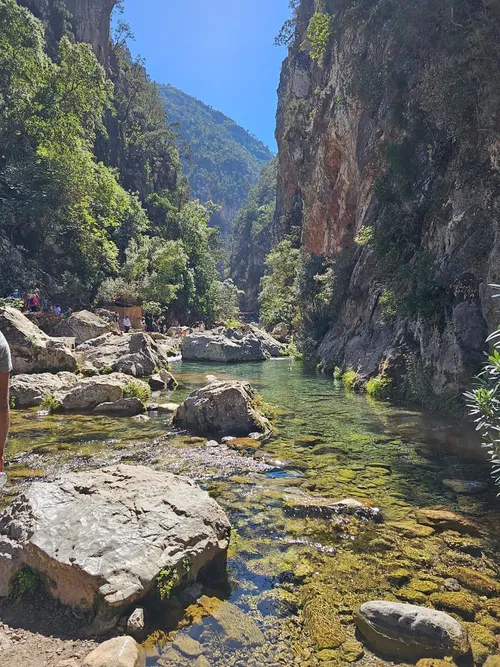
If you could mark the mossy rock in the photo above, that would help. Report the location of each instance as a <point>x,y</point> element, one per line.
<point>322,623</point>
<point>410,529</point>
<point>492,661</point>
<point>442,520</point>
<point>347,473</point>
<point>490,623</point>
<point>398,577</point>
<point>433,662</point>
<point>308,440</point>
<point>463,543</point>
<point>460,603</point>
<point>493,606</point>
<point>380,545</point>
<point>424,586</point>
<point>242,444</point>
<point>351,651</point>
<point>478,582</point>
<point>482,635</point>
<point>376,470</point>
<point>410,595</point>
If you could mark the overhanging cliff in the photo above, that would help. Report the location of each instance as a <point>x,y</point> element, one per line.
<point>389,164</point>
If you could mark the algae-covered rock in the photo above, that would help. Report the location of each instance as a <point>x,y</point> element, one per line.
<point>492,661</point>
<point>410,529</point>
<point>307,440</point>
<point>432,662</point>
<point>460,603</point>
<point>424,586</point>
<point>463,543</point>
<point>398,577</point>
<point>322,623</point>
<point>466,487</point>
<point>351,651</point>
<point>476,581</point>
<point>446,520</point>
<point>410,632</point>
<point>410,595</point>
<point>483,642</point>
<point>236,628</point>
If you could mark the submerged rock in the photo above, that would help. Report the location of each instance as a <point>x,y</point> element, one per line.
<point>248,343</point>
<point>222,408</point>
<point>82,326</point>
<point>236,628</point>
<point>101,539</point>
<point>409,632</point>
<point>28,391</point>
<point>117,652</point>
<point>442,520</point>
<point>32,350</point>
<point>125,407</point>
<point>318,507</point>
<point>135,354</point>
<point>466,487</point>
<point>459,602</point>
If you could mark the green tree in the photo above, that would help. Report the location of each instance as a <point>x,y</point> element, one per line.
<point>279,287</point>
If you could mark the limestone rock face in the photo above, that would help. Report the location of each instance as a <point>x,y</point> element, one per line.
<point>82,326</point>
<point>117,652</point>
<point>406,631</point>
<point>100,539</point>
<point>337,142</point>
<point>29,391</point>
<point>91,392</point>
<point>230,345</point>
<point>135,354</point>
<point>221,408</point>
<point>32,350</point>
<point>89,19</point>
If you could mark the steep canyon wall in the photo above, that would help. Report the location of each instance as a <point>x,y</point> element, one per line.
<point>389,158</point>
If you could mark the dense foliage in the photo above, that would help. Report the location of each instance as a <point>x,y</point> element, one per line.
<point>92,198</point>
<point>223,160</point>
<point>484,405</point>
<point>280,286</point>
<point>251,239</point>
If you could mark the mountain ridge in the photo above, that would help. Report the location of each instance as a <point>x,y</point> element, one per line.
<point>225,159</point>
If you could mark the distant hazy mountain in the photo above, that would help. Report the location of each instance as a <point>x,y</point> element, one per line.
<point>225,160</point>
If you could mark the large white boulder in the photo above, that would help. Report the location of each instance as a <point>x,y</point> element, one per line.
<point>247,343</point>
<point>103,539</point>
<point>91,392</point>
<point>32,350</point>
<point>82,326</point>
<point>135,354</point>
<point>28,391</point>
<point>406,631</point>
<point>222,408</point>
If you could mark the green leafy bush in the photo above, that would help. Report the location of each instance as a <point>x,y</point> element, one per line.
<point>350,379</point>
<point>379,387</point>
<point>26,582</point>
<point>137,390</point>
<point>51,404</point>
<point>318,34</point>
<point>337,373</point>
<point>484,405</point>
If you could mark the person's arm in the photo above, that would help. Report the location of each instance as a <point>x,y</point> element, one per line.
<point>4,414</point>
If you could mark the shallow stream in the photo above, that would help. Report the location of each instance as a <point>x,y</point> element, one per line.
<point>295,575</point>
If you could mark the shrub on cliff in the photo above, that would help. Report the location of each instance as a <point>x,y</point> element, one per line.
<point>484,405</point>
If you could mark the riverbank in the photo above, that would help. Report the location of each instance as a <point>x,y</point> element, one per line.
<point>284,554</point>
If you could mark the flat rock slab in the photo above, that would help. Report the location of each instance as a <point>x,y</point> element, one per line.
<point>117,652</point>
<point>102,537</point>
<point>409,632</point>
<point>125,407</point>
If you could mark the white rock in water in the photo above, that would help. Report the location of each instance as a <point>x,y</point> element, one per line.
<point>406,631</point>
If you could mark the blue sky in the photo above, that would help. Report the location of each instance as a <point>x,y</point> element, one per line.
<point>220,51</point>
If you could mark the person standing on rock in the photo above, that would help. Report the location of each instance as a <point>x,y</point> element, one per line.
<point>126,324</point>
<point>5,369</point>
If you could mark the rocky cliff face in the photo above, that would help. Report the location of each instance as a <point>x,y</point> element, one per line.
<point>88,20</point>
<point>389,158</point>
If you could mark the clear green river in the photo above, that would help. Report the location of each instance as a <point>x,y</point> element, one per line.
<point>296,572</point>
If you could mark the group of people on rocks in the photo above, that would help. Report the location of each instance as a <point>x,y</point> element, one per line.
<point>31,303</point>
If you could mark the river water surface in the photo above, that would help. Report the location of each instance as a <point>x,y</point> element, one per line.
<point>296,573</point>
